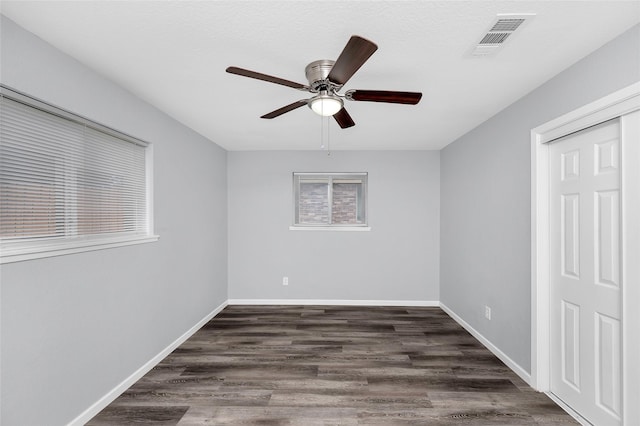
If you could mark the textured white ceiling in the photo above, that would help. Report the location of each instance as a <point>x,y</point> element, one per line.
<point>173,54</point>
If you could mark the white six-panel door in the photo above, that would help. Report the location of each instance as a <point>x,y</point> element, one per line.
<point>585,280</point>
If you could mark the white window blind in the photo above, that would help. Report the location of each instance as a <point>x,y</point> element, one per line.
<point>64,180</point>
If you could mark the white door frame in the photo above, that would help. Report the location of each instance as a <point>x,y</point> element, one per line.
<point>618,104</point>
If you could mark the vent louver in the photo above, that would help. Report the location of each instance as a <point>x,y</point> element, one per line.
<point>498,33</point>
<point>507,24</point>
<point>494,38</point>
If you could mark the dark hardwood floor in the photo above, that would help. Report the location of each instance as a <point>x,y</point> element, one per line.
<point>331,365</point>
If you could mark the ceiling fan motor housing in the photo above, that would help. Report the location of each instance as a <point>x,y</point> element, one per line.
<point>317,73</point>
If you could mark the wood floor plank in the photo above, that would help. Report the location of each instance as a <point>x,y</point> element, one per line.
<point>331,365</point>
<point>132,415</point>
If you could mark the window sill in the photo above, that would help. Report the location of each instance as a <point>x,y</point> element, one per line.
<point>18,252</point>
<point>330,228</point>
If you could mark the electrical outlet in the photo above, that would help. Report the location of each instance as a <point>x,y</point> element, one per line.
<point>285,280</point>
<point>487,312</point>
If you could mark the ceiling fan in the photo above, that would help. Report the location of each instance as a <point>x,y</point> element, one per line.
<point>326,78</point>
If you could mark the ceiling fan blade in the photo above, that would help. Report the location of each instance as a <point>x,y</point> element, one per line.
<point>265,77</point>
<point>410,98</point>
<point>343,119</point>
<point>354,54</point>
<point>280,111</point>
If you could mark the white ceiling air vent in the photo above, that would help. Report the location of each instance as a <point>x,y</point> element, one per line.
<point>499,32</point>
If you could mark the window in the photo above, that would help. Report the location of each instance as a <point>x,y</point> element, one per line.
<point>67,184</point>
<point>330,200</point>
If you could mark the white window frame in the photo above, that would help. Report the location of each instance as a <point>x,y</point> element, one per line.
<point>16,251</point>
<point>330,176</point>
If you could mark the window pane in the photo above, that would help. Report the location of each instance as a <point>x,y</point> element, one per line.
<point>313,207</point>
<point>34,162</point>
<point>346,207</point>
<point>111,190</point>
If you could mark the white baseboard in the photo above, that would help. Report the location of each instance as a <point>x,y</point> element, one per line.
<point>424,303</point>
<point>497,352</point>
<point>99,405</point>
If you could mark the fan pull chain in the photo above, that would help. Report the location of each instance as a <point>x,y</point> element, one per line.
<point>324,121</point>
<point>321,132</point>
<point>328,138</point>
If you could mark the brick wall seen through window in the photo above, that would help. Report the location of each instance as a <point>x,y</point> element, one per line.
<point>330,199</point>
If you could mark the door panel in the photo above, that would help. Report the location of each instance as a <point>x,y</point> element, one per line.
<point>607,366</point>
<point>585,272</point>
<point>608,237</point>
<point>571,344</point>
<point>570,235</point>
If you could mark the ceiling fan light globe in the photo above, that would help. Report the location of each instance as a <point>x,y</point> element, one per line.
<point>326,105</point>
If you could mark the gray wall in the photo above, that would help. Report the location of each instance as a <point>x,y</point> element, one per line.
<point>486,217</point>
<point>396,260</point>
<point>75,326</point>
